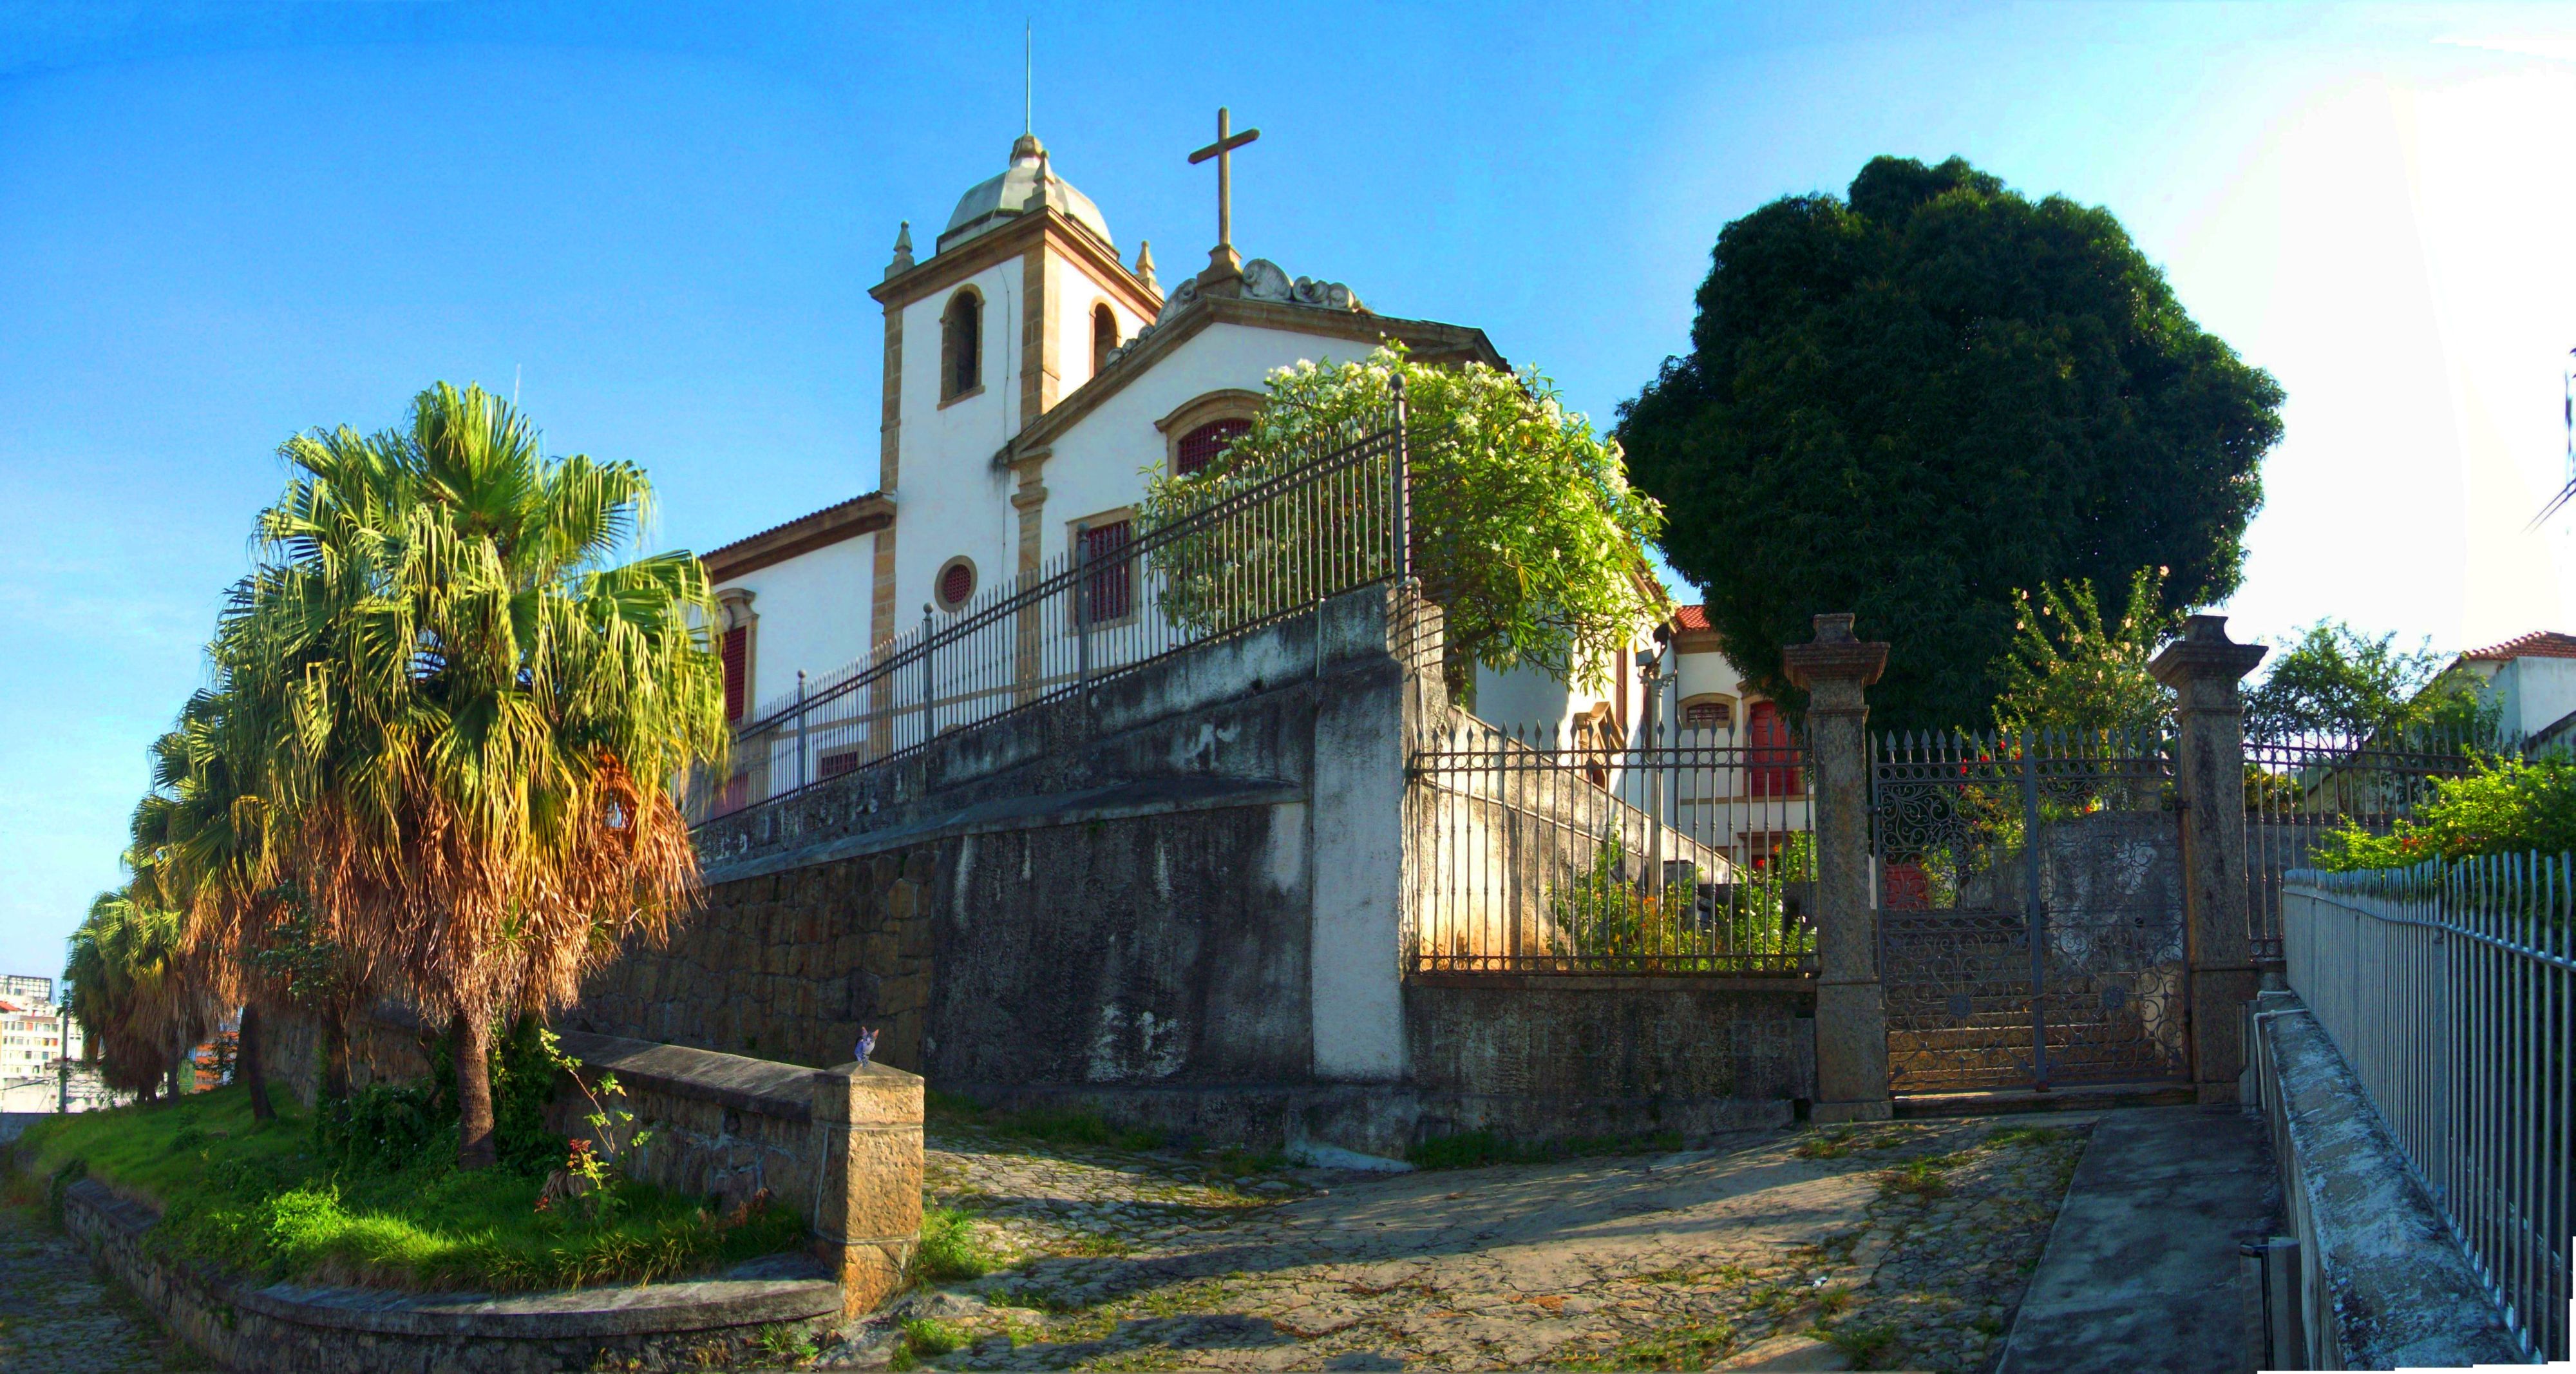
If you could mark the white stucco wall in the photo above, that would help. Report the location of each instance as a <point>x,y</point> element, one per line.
<point>949,499</point>
<point>2537,693</point>
<point>1098,464</point>
<point>1075,293</point>
<point>813,611</point>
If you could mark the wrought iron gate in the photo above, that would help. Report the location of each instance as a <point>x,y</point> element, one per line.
<point>2030,915</point>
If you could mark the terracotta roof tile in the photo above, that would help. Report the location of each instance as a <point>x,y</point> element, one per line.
<point>812,516</point>
<point>2537,644</point>
<point>1690,617</point>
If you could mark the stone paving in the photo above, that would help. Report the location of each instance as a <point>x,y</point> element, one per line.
<point>1904,1245</point>
<point>57,1317</point>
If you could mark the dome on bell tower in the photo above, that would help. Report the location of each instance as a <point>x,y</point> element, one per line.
<point>996,202</point>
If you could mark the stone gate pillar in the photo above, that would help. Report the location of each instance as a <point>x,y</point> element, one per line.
<point>2203,668</point>
<point>1851,1007</point>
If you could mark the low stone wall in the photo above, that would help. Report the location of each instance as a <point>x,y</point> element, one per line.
<point>723,1126</point>
<point>1544,1056</point>
<point>1528,1058</point>
<point>2381,1284</point>
<point>293,1329</point>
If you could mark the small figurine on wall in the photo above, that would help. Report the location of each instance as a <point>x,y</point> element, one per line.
<point>867,1042</point>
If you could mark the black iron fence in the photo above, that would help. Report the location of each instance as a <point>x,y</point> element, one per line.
<point>2030,909</point>
<point>2299,789</point>
<point>1247,549</point>
<point>1542,852</point>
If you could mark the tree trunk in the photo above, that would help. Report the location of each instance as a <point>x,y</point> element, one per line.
<point>335,1055</point>
<point>247,1062</point>
<point>472,1036</point>
<point>179,1086</point>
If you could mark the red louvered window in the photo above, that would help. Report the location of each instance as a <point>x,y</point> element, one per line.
<point>1112,583</point>
<point>956,583</point>
<point>1200,446</point>
<point>737,671</point>
<point>1770,754</point>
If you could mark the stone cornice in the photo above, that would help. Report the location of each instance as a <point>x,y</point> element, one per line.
<point>2205,654</point>
<point>857,516</point>
<point>1013,240</point>
<point>1430,340</point>
<point>1834,656</point>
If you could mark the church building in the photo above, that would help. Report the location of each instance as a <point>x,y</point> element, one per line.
<point>1035,374</point>
<point>1032,373</point>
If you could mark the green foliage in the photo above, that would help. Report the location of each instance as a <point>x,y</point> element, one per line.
<point>2504,806</point>
<point>1913,401</point>
<point>1526,531</point>
<point>129,989</point>
<point>930,1338</point>
<point>2070,669</point>
<point>2339,681</point>
<point>263,1200</point>
<point>1597,913</point>
<point>1672,1345</point>
<point>386,1126</point>
<point>948,1252</point>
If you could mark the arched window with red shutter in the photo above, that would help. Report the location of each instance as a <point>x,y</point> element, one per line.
<point>1200,446</point>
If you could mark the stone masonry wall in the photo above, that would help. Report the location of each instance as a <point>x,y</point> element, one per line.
<point>788,965</point>
<point>1556,1055</point>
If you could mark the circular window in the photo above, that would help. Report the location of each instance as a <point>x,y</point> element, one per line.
<point>956,583</point>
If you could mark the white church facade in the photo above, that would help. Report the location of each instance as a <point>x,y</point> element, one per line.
<point>1034,377</point>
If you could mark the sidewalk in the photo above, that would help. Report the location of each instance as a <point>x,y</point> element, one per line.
<point>2141,1271</point>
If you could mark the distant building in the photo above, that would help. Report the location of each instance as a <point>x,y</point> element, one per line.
<point>24,988</point>
<point>31,1037</point>
<point>2531,679</point>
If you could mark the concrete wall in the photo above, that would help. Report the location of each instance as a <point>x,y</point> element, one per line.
<point>2381,1284</point>
<point>1186,902</point>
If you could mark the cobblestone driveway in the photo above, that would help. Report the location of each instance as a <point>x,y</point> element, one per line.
<point>57,1318</point>
<point>1902,1245</point>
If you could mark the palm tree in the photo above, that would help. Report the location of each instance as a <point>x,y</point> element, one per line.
<point>480,711</point>
<point>137,1008</point>
<point>203,848</point>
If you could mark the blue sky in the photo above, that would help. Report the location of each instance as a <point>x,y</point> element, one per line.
<point>220,224</point>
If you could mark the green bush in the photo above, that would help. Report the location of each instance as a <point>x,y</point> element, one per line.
<point>2505,806</point>
<point>271,1200</point>
<point>948,1253</point>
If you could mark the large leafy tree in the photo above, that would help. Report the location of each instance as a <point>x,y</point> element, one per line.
<point>1922,400</point>
<point>479,711</point>
<point>2335,680</point>
<point>1526,532</point>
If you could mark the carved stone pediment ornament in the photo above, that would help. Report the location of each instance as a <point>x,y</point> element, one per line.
<point>1262,281</point>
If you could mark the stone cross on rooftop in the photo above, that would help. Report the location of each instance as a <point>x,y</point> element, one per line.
<point>1221,258</point>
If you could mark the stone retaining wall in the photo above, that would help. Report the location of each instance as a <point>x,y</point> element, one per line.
<point>1186,903</point>
<point>2382,1285</point>
<point>292,1329</point>
<point>723,1126</point>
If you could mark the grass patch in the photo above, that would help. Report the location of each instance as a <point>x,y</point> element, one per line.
<point>1691,1345</point>
<point>1476,1149</point>
<point>1920,1179</point>
<point>1865,1346</point>
<point>948,1252</point>
<point>926,1338</point>
<point>263,1200</point>
<point>2024,1135</point>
